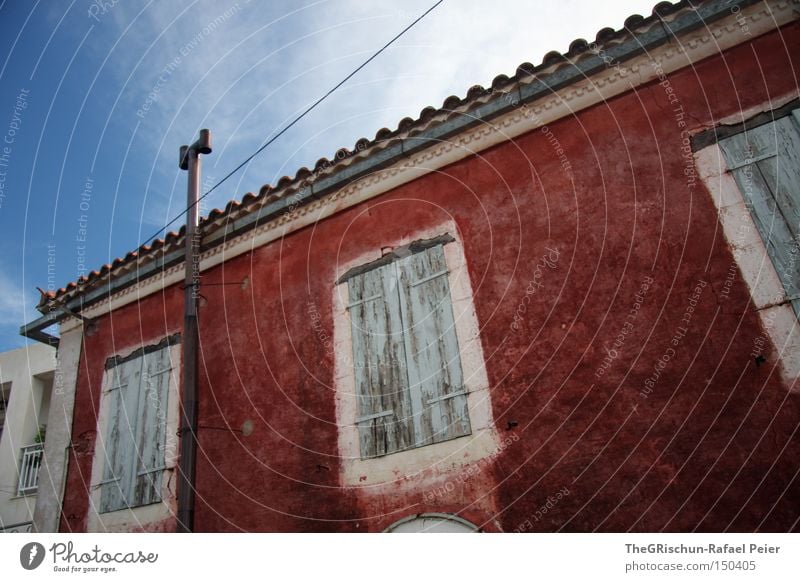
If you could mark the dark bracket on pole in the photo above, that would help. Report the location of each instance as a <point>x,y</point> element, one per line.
<point>201,146</point>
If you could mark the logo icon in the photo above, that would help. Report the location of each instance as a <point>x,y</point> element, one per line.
<point>31,555</point>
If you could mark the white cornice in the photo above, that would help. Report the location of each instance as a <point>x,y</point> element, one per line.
<point>681,52</point>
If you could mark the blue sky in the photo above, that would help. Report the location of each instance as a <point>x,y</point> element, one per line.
<point>97,96</point>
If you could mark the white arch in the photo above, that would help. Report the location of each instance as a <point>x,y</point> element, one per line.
<point>432,523</point>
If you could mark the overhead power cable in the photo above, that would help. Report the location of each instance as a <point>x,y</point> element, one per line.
<point>296,119</point>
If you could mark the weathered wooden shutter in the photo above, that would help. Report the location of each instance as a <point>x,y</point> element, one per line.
<point>151,428</point>
<point>765,162</point>
<point>436,384</point>
<point>384,411</point>
<point>136,431</point>
<point>120,435</point>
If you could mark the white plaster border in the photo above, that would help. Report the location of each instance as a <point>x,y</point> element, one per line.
<point>439,457</point>
<point>750,254</point>
<point>55,464</point>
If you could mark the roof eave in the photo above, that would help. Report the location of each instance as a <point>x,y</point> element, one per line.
<point>526,90</point>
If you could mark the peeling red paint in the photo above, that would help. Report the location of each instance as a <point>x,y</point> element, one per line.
<point>711,448</point>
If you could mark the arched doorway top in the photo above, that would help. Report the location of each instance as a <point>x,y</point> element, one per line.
<point>432,523</point>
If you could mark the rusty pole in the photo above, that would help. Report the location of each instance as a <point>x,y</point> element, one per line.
<point>190,161</point>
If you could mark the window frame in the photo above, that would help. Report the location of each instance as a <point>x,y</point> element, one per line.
<point>751,259</point>
<point>437,458</point>
<point>162,505</point>
<point>434,410</point>
<point>768,214</point>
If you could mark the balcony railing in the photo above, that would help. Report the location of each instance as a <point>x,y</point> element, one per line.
<point>30,460</point>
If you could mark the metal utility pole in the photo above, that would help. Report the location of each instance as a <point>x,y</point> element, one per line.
<point>190,160</point>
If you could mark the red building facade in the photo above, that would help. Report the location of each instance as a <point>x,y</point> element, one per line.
<point>623,368</point>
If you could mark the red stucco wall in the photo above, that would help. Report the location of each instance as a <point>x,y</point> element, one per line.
<point>712,447</point>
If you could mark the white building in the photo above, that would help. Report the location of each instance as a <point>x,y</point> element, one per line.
<point>26,378</point>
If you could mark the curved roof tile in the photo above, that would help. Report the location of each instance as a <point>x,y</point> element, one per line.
<point>267,192</point>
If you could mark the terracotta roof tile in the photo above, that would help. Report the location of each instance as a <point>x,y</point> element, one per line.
<point>324,165</point>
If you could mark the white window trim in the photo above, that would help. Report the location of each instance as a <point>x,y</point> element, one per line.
<point>439,457</point>
<point>131,519</point>
<point>750,254</point>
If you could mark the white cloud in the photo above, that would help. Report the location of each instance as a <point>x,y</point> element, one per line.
<point>244,70</point>
<point>11,302</point>
<point>16,306</point>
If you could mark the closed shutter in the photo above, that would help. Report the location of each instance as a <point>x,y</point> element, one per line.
<point>151,428</point>
<point>434,365</point>
<point>409,383</point>
<point>123,394</point>
<point>765,162</point>
<point>384,412</point>
<point>136,431</point>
